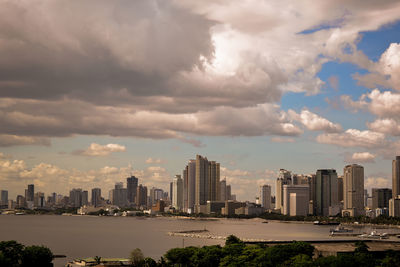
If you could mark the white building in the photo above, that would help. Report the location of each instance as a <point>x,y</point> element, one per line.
<point>266,197</point>
<point>177,195</point>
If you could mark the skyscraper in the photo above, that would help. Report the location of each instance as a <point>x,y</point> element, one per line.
<point>326,191</point>
<point>353,190</point>
<point>284,178</point>
<point>131,185</point>
<point>141,196</point>
<point>222,187</point>
<point>30,193</point>
<point>380,197</point>
<point>4,197</point>
<point>340,188</point>
<point>266,197</point>
<point>75,197</point>
<point>202,182</point>
<point>119,195</point>
<point>295,200</point>
<point>96,197</point>
<point>177,189</point>
<point>396,177</point>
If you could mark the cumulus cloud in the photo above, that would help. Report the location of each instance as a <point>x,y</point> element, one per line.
<point>282,140</point>
<point>48,178</point>
<point>18,140</point>
<point>127,72</point>
<point>362,157</point>
<point>101,150</point>
<point>314,122</point>
<point>154,161</point>
<point>386,71</point>
<point>354,138</point>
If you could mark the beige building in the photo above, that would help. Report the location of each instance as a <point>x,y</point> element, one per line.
<point>266,197</point>
<point>394,207</point>
<point>295,200</point>
<point>353,190</point>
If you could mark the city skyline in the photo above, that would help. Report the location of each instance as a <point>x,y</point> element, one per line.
<point>258,86</point>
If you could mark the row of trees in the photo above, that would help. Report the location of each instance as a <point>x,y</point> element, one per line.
<point>14,254</point>
<point>235,253</point>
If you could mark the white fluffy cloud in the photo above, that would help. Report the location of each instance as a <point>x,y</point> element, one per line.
<point>314,122</point>
<point>362,157</point>
<point>354,138</point>
<point>154,161</point>
<point>101,150</point>
<point>377,182</point>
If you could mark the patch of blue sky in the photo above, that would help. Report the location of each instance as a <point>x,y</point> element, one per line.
<point>374,43</point>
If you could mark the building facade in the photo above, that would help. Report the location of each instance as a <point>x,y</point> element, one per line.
<point>353,190</point>
<point>380,197</point>
<point>326,191</point>
<point>131,186</point>
<point>295,200</point>
<point>266,197</point>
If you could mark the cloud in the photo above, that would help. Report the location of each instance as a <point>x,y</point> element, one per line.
<point>384,105</point>
<point>154,161</point>
<point>17,140</point>
<point>314,122</point>
<point>362,157</point>
<point>101,150</point>
<point>386,71</point>
<point>173,69</point>
<point>354,138</point>
<point>282,140</point>
<point>48,178</point>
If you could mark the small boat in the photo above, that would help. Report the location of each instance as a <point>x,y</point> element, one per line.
<point>341,229</point>
<point>375,235</point>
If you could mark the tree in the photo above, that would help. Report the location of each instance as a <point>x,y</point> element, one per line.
<point>137,257</point>
<point>361,247</point>
<point>97,259</point>
<point>232,240</point>
<point>37,256</point>
<point>12,252</point>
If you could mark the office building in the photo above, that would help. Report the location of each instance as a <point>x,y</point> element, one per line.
<point>353,190</point>
<point>30,192</point>
<point>222,187</point>
<point>131,186</point>
<point>4,198</point>
<point>284,178</point>
<point>96,197</point>
<point>141,196</point>
<point>396,177</point>
<point>295,200</point>
<point>326,191</point>
<point>380,197</point>
<point>394,207</point>
<point>85,198</point>
<point>228,192</point>
<point>75,197</point>
<point>20,201</point>
<point>177,189</point>
<point>266,197</point>
<point>189,185</point>
<point>171,185</point>
<point>340,188</point>
<point>206,182</point>
<point>119,195</point>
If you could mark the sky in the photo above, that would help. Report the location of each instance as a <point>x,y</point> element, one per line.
<point>94,91</point>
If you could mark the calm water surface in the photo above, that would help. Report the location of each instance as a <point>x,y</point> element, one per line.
<point>85,236</point>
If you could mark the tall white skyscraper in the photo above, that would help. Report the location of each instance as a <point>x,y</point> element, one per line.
<point>266,197</point>
<point>177,189</point>
<point>353,190</point>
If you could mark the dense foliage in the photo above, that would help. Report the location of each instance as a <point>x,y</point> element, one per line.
<point>235,253</point>
<point>13,254</point>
